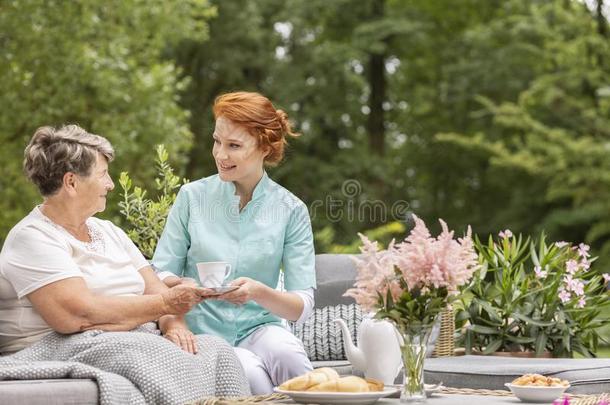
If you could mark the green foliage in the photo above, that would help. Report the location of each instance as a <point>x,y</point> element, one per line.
<point>415,311</point>
<point>510,307</point>
<point>146,217</point>
<point>325,238</point>
<point>538,154</point>
<point>96,64</point>
<point>442,61</point>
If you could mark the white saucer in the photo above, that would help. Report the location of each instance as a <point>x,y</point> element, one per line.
<point>221,290</point>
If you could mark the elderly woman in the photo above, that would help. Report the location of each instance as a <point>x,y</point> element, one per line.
<point>63,270</point>
<point>243,217</point>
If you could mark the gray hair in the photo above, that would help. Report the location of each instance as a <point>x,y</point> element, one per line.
<point>52,153</point>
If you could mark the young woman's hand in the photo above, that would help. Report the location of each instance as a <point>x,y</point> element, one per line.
<point>248,290</point>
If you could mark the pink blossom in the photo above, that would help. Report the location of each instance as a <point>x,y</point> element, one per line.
<point>375,275</point>
<point>505,234</point>
<point>564,296</point>
<point>427,262</point>
<point>578,288</point>
<point>573,285</point>
<point>584,264</point>
<point>583,250</point>
<point>539,272</point>
<point>606,277</point>
<point>581,303</point>
<point>561,244</point>
<point>422,262</point>
<point>571,266</point>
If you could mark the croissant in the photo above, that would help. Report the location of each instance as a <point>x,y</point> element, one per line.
<point>344,384</point>
<point>374,385</point>
<point>304,382</point>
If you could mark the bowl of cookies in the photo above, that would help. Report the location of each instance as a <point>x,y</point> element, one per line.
<point>325,386</point>
<point>537,388</point>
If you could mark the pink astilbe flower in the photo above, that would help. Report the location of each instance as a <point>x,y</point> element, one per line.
<point>426,262</point>
<point>606,277</point>
<point>375,275</point>
<point>423,262</point>
<point>581,303</point>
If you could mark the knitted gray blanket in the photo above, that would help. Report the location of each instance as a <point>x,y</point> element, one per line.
<point>137,367</point>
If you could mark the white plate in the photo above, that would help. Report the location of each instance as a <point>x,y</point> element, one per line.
<point>532,393</point>
<point>334,398</point>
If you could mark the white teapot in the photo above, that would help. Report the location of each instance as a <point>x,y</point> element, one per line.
<point>378,355</point>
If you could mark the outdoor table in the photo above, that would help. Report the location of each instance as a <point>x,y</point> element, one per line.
<point>449,396</point>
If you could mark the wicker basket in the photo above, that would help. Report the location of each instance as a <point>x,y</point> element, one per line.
<point>445,343</point>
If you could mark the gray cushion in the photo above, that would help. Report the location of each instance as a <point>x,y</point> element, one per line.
<point>335,273</point>
<point>322,339</point>
<point>587,376</point>
<point>49,392</point>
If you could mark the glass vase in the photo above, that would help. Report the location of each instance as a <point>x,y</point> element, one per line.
<point>413,350</point>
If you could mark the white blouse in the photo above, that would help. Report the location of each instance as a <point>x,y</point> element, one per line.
<point>38,252</point>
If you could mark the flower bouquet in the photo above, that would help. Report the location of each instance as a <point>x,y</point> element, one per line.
<point>409,284</point>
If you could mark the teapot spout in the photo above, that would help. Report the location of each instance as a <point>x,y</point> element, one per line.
<point>354,354</point>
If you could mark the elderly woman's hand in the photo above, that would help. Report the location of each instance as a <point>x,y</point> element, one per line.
<point>181,298</point>
<point>182,337</point>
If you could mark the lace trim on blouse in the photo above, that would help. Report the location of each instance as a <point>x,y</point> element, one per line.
<point>96,243</point>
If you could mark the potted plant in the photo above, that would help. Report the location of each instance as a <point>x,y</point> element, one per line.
<point>532,296</point>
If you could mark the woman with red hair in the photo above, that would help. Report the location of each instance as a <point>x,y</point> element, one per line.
<point>242,217</point>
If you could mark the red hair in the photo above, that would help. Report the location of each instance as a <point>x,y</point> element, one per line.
<point>257,114</point>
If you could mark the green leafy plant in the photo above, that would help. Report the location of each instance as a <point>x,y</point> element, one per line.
<point>145,216</point>
<point>529,295</point>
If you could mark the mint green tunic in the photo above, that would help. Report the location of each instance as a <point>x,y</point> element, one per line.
<point>273,230</point>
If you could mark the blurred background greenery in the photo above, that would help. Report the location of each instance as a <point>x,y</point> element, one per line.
<point>493,113</point>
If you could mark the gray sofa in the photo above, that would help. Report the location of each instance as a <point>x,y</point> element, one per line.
<point>324,344</point>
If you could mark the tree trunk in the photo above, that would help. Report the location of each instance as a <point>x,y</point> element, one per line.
<point>602,24</point>
<point>377,85</point>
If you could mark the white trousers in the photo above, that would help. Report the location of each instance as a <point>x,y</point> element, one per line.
<point>270,356</point>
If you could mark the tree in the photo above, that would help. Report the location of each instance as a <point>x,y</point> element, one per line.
<point>554,137</point>
<point>97,64</point>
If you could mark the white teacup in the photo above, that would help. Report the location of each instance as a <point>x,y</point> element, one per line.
<point>213,274</point>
